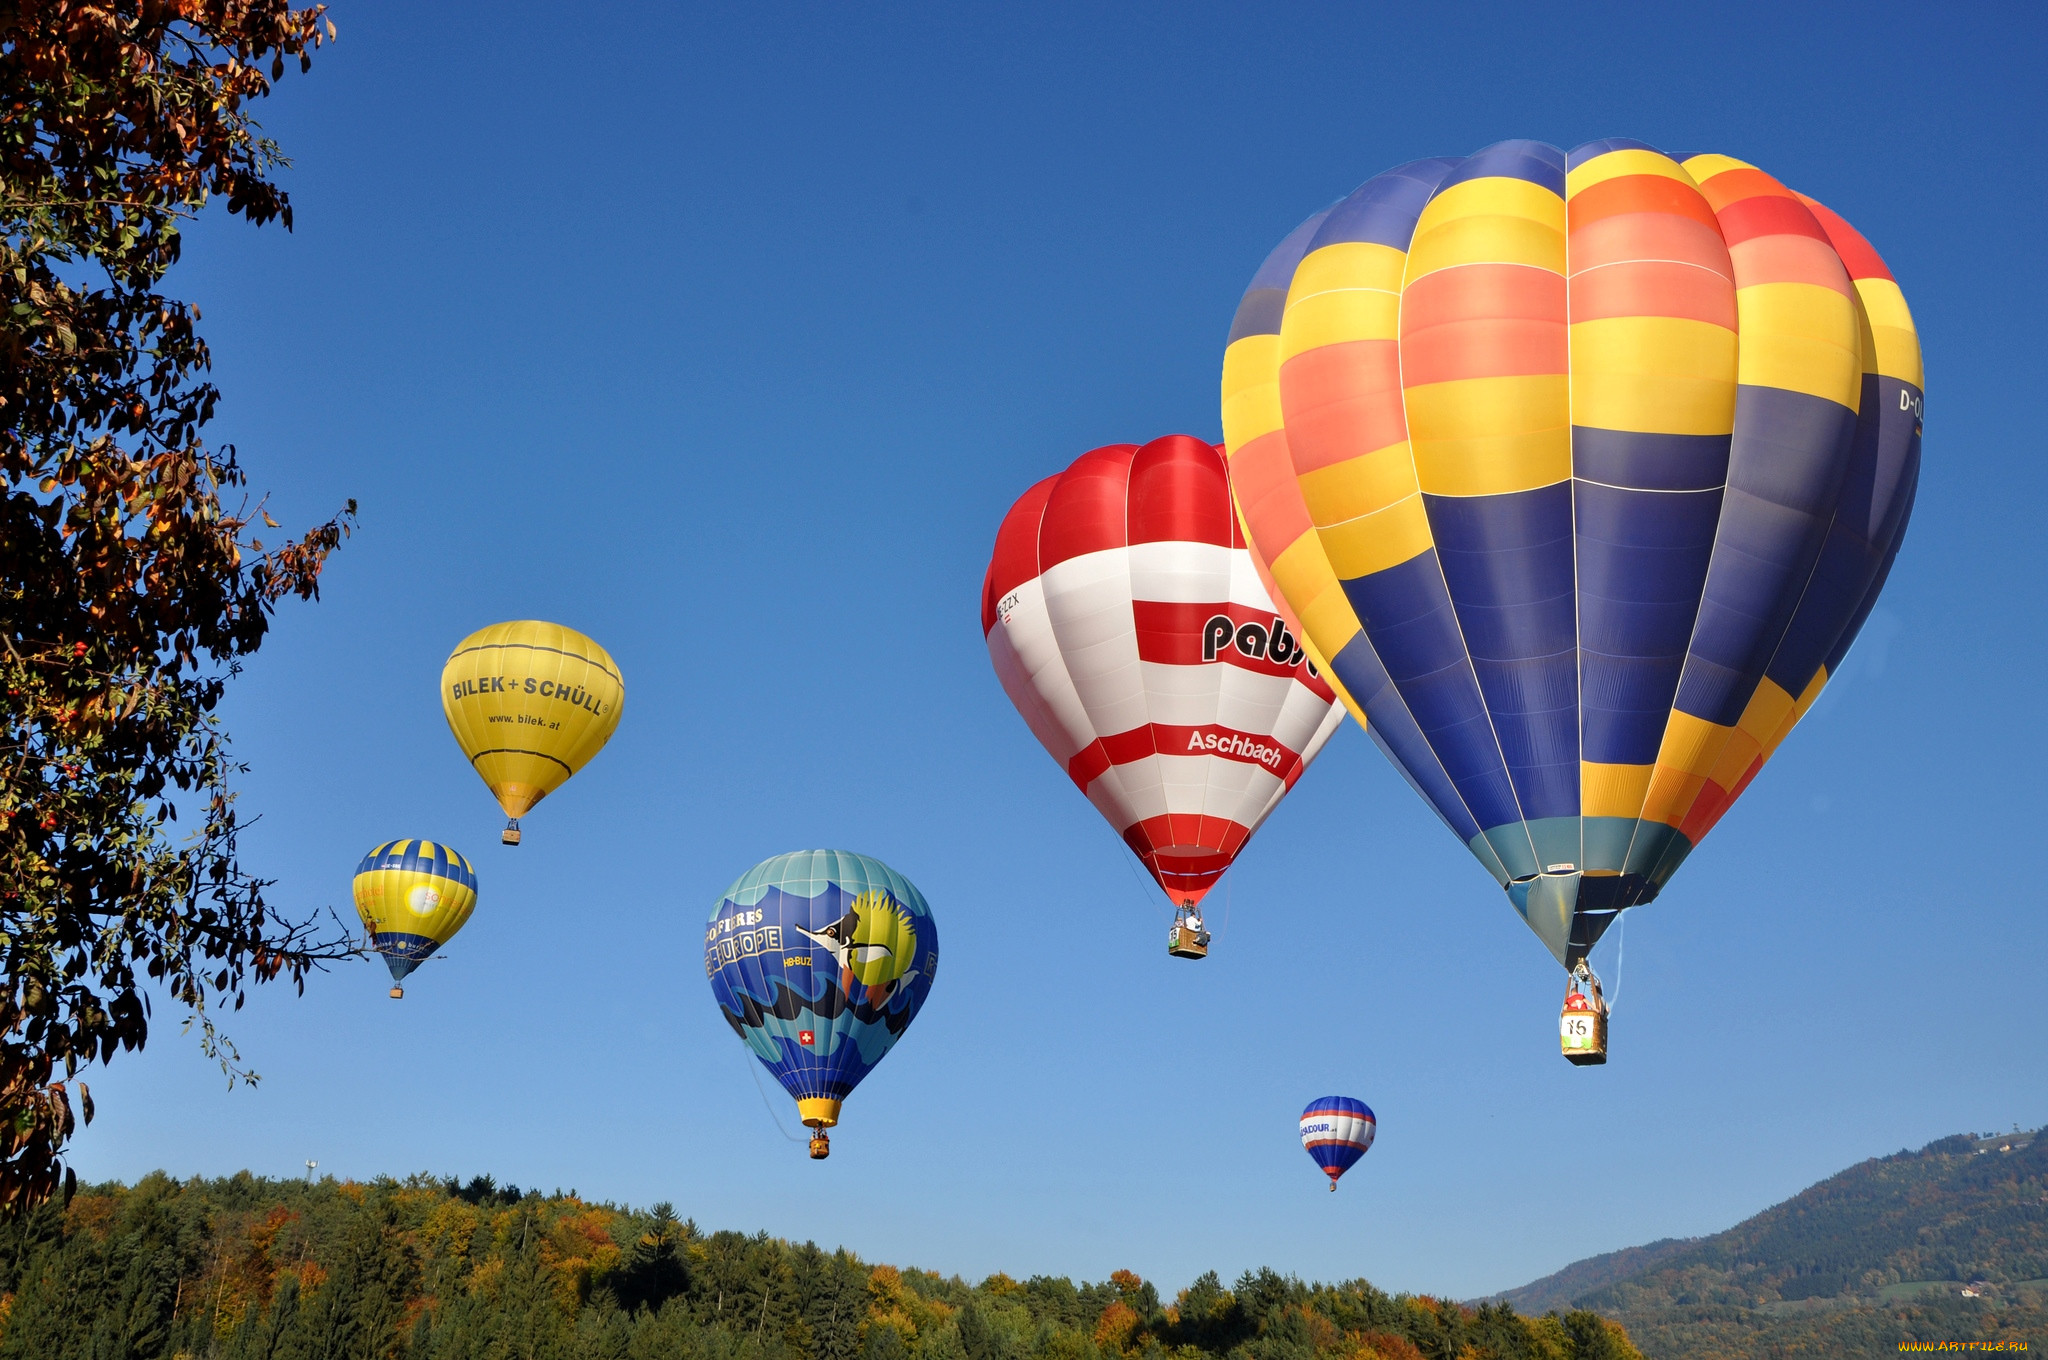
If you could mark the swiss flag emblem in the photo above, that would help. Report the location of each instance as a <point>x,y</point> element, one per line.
<point>806,1038</point>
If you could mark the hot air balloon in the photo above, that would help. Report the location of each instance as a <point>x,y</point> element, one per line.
<point>1337,1131</point>
<point>1582,471</point>
<point>530,703</point>
<point>413,896</point>
<point>1129,627</point>
<point>820,959</point>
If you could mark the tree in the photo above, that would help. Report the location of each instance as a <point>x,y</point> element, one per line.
<point>975,1337</point>
<point>1596,1338</point>
<point>130,590</point>
<point>654,1271</point>
<point>1116,1328</point>
<point>886,1343</point>
<point>832,1294</point>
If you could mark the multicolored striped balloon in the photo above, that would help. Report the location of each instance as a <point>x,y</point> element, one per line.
<point>819,960</point>
<point>1127,623</point>
<point>412,897</point>
<point>1337,1131</point>
<point>1582,471</point>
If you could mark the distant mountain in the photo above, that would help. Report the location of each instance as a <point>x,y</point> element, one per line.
<point>1949,1243</point>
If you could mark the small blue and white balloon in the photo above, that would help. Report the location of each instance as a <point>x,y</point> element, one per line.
<point>1337,1130</point>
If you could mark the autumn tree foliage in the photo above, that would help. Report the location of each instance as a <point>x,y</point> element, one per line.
<point>133,579</point>
<point>425,1269</point>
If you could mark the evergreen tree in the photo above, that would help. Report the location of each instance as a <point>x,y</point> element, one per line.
<point>135,1319</point>
<point>832,1296</point>
<point>654,1270</point>
<point>261,1338</point>
<point>975,1337</point>
<point>886,1343</point>
<point>356,1312</point>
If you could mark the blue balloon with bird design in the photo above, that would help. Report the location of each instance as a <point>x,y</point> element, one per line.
<point>820,959</point>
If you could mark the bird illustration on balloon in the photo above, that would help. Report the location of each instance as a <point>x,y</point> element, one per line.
<point>818,1035</point>
<point>874,944</point>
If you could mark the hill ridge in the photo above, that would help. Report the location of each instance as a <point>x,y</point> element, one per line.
<point>1949,1242</point>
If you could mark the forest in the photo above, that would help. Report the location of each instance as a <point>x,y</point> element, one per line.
<point>246,1268</point>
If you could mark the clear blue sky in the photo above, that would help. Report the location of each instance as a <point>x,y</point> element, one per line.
<point>728,338</point>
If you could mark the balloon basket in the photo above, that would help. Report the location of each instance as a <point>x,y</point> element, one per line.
<point>510,835</point>
<point>1582,1024</point>
<point>398,993</point>
<point>1183,943</point>
<point>821,1146</point>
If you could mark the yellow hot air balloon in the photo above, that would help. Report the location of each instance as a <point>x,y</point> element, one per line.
<point>413,896</point>
<point>530,703</point>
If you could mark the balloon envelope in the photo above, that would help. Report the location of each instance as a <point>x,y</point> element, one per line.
<point>412,897</point>
<point>1582,471</point>
<point>1128,625</point>
<point>1337,1131</point>
<point>819,960</point>
<point>530,703</point>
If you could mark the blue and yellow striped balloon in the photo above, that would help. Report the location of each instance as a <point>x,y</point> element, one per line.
<point>1581,471</point>
<point>413,896</point>
<point>819,961</point>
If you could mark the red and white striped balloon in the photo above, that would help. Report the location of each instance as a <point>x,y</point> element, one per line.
<point>1128,625</point>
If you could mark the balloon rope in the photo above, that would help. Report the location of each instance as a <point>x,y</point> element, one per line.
<point>754,1066</point>
<point>1620,954</point>
<point>1145,888</point>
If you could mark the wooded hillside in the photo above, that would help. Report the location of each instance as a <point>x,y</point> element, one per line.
<point>1877,1255</point>
<point>425,1269</point>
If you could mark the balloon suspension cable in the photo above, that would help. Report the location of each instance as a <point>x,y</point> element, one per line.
<point>1145,889</point>
<point>1620,954</point>
<point>754,1068</point>
<point>1583,980</point>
